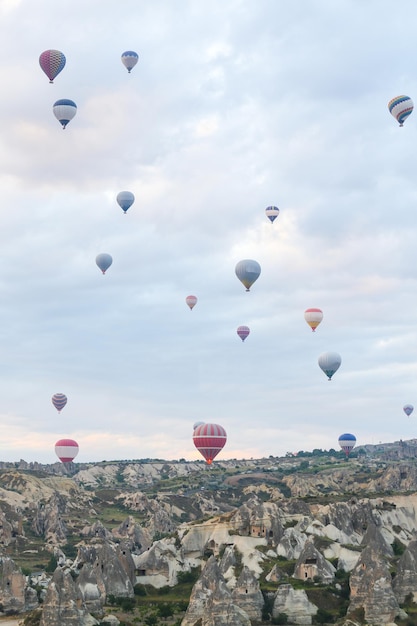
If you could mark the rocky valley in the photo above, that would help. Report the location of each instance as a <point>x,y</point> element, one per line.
<point>313,538</point>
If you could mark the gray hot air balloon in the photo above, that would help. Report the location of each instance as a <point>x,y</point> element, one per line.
<point>125,199</point>
<point>330,362</point>
<point>104,261</point>
<point>247,272</point>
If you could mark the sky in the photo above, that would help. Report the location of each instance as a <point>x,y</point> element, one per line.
<point>234,105</point>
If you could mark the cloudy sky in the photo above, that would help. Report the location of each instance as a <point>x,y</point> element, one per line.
<point>234,105</point>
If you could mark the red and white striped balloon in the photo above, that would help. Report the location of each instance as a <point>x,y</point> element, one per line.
<point>209,439</point>
<point>66,450</point>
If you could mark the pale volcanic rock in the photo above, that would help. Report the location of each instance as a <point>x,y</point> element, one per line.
<point>15,595</point>
<point>311,564</point>
<point>371,588</point>
<point>405,581</point>
<point>295,603</point>
<point>248,596</point>
<point>114,571</point>
<point>63,605</point>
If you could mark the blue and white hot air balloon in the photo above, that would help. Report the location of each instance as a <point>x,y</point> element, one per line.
<point>272,213</point>
<point>64,110</point>
<point>408,409</point>
<point>104,261</point>
<point>330,362</point>
<point>401,107</point>
<point>129,59</point>
<point>247,272</point>
<point>125,199</point>
<point>347,442</point>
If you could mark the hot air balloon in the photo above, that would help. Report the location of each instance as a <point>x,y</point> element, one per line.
<point>59,400</point>
<point>209,439</point>
<point>129,59</point>
<point>330,362</point>
<point>272,213</point>
<point>408,409</point>
<point>64,110</point>
<point>104,261</point>
<point>247,272</point>
<point>197,424</point>
<point>52,63</point>
<point>125,199</point>
<point>66,450</point>
<point>313,317</point>
<point>243,332</point>
<point>347,443</point>
<point>191,301</point>
<point>401,107</point>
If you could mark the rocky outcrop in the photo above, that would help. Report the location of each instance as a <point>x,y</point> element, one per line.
<point>371,589</point>
<point>104,569</point>
<point>134,536</point>
<point>312,565</point>
<point>405,581</point>
<point>96,531</point>
<point>49,522</point>
<point>247,595</point>
<point>15,595</point>
<point>63,604</point>
<point>295,604</point>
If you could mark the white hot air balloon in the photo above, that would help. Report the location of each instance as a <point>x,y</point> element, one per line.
<point>64,110</point>
<point>330,362</point>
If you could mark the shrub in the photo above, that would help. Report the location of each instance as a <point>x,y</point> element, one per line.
<point>281,618</point>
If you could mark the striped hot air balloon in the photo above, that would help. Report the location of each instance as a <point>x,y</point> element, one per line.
<point>313,317</point>
<point>66,450</point>
<point>243,332</point>
<point>129,59</point>
<point>59,400</point>
<point>52,63</point>
<point>272,213</point>
<point>191,301</point>
<point>209,439</point>
<point>347,442</point>
<point>64,111</point>
<point>408,409</point>
<point>401,107</point>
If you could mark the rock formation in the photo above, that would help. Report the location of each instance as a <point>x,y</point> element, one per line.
<point>15,595</point>
<point>312,565</point>
<point>63,605</point>
<point>295,604</point>
<point>405,581</point>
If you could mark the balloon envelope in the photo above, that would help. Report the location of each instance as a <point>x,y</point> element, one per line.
<point>191,301</point>
<point>125,199</point>
<point>104,261</point>
<point>272,213</point>
<point>313,317</point>
<point>129,59</point>
<point>59,400</point>
<point>401,107</point>
<point>347,442</point>
<point>243,332</point>
<point>209,439</point>
<point>330,362</point>
<point>52,63</point>
<point>247,272</point>
<point>408,409</point>
<point>66,450</point>
<point>64,110</point>
<point>197,424</point>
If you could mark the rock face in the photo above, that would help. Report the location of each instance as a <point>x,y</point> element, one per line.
<point>48,522</point>
<point>211,602</point>
<point>405,582</point>
<point>312,565</point>
<point>15,596</point>
<point>248,596</point>
<point>295,604</point>
<point>370,586</point>
<point>63,605</point>
<point>104,569</point>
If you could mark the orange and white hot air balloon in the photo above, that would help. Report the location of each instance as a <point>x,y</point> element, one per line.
<point>313,317</point>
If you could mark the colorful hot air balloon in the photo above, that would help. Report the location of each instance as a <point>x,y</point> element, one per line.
<point>64,110</point>
<point>243,332</point>
<point>66,450</point>
<point>247,272</point>
<point>209,439</point>
<point>272,213</point>
<point>347,443</point>
<point>52,63</point>
<point>191,301</point>
<point>125,199</point>
<point>59,400</point>
<point>129,59</point>
<point>313,317</point>
<point>401,107</point>
<point>330,362</point>
<point>408,409</point>
<point>104,261</point>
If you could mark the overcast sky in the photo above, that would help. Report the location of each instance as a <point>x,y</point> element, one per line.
<point>234,105</point>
